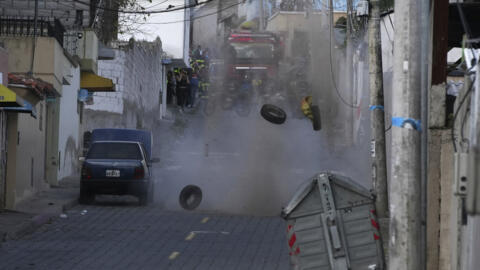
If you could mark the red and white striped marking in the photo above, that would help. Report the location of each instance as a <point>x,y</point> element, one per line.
<point>294,249</point>
<point>375,226</point>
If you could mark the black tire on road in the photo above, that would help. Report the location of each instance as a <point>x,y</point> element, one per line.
<point>273,114</point>
<point>316,122</point>
<point>190,197</point>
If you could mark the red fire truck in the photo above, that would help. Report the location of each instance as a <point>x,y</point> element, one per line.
<point>252,56</point>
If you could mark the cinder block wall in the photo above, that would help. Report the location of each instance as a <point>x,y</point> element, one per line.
<point>137,74</point>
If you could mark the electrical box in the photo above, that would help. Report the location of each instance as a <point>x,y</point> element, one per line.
<point>331,225</point>
<point>461,175</point>
<point>362,8</point>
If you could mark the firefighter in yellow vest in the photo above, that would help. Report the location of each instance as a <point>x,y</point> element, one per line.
<point>307,107</point>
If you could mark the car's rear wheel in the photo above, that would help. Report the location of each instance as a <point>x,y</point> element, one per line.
<point>86,197</point>
<point>143,199</point>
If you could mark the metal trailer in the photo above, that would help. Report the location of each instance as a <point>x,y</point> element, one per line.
<point>331,224</point>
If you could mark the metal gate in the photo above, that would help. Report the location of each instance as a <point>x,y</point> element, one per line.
<point>331,224</point>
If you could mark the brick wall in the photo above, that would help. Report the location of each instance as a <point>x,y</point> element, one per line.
<point>137,74</point>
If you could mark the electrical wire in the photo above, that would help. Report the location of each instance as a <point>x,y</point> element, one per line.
<point>391,23</point>
<point>331,65</point>
<point>467,94</point>
<point>156,5</point>
<point>462,127</point>
<point>148,12</point>
<point>198,17</point>
<point>388,35</point>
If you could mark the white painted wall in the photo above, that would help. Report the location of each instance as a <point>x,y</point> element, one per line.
<point>68,137</point>
<point>112,69</point>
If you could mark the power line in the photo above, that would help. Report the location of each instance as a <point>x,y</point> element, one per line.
<point>331,65</point>
<point>467,94</point>
<point>157,4</point>
<point>148,12</point>
<point>198,17</point>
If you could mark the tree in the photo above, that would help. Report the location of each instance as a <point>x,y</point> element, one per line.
<point>109,21</point>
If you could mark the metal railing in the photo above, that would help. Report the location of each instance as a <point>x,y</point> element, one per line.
<point>46,27</point>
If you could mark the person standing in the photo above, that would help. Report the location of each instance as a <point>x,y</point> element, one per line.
<point>170,87</point>
<point>194,84</point>
<point>182,89</point>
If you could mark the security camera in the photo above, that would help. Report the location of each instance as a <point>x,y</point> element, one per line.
<point>79,35</point>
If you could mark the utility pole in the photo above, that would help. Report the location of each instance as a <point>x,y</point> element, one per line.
<point>377,112</point>
<point>261,15</point>
<point>405,186</point>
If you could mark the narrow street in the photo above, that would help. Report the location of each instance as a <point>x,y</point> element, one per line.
<point>115,233</point>
<point>229,134</point>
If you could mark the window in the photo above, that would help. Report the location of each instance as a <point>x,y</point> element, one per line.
<point>253,51</point>
<point>113,150</point>
<point>79,18</point>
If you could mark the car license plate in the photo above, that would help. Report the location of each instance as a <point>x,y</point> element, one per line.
<point>112,173</point>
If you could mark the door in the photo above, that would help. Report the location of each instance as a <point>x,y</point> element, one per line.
<point>3,159</point>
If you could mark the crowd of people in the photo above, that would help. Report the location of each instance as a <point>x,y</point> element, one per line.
<point>185,84</point>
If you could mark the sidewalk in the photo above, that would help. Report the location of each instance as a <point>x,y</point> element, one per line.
<point>38,209</point>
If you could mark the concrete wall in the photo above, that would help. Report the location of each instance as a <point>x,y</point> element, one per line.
<point>138,76</point>
<point>26,155</point>
<point>3,66</point>
<point>68,138</point>
<point>204,33</point>
<point>286,23</point>
<point>4,81</point>
<point>49,58</point>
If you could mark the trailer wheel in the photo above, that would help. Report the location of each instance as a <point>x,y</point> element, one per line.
<point>273,114</point>
<point>190,197</point>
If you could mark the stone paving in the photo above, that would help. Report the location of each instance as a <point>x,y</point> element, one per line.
<point>121,235</point>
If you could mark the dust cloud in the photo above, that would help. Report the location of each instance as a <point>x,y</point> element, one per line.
<point>246,165</point>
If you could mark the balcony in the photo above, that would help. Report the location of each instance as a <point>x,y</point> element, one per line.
<point>84,45</point>
<point>25,27</point>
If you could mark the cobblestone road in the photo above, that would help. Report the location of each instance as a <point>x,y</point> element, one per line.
<point>124,236</point>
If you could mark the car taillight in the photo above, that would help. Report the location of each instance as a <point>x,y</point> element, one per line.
<point>86,173</point>
<point>139,172</point>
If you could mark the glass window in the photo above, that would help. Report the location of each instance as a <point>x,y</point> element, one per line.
<point>253,51</point>
<point>114,151</point>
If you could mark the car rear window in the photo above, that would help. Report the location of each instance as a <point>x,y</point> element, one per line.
<point>114,151</point>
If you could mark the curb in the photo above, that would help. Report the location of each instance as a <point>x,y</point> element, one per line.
<point>70,204</point>
<point>35,222</point>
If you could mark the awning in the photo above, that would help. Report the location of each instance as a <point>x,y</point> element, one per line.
<point>95,83</point>
<point>8,98</point>
<point>26,108</point>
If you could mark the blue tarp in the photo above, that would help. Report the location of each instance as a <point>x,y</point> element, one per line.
<point>116,134</point>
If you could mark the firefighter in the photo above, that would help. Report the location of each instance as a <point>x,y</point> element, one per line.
<point>307,107</point>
